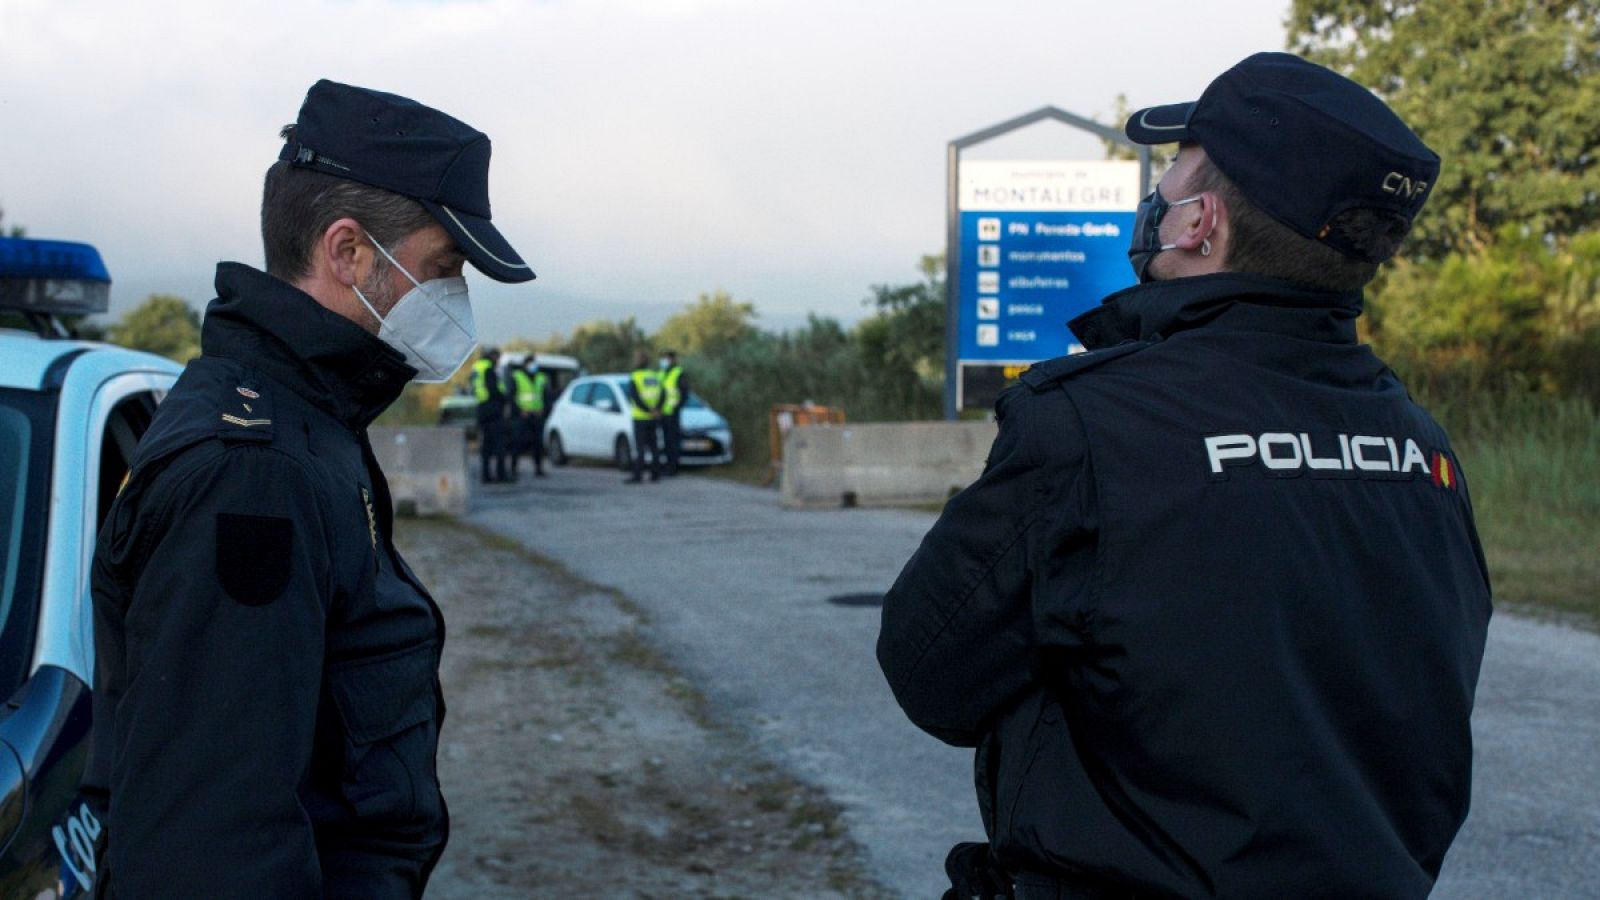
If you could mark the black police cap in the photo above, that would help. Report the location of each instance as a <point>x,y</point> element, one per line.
<point>1303,143</point>
<point>400,145</point>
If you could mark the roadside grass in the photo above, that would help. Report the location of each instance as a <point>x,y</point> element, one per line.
<point>1532,464</point>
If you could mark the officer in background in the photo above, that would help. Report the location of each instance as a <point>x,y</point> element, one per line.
<point>1214,613</point>
<point>494,428</point>
<point>645,398</point>
<point>266,697</point>
<point>531,393</point>
<point>676,385</point>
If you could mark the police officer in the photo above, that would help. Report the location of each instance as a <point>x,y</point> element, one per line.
<point>266,699</point>
<point>1214,612</point>
<point>676,386</point>
<point>531,394</point>
<point>494,438</point>
<point>645,397</point>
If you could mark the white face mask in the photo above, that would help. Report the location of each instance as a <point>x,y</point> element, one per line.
<point>665,363</point>
<point>432,324</point>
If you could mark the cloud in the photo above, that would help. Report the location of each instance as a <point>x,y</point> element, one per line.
<point>645,150</point>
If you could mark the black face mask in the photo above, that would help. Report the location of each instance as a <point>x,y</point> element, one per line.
<point>1146,241</point>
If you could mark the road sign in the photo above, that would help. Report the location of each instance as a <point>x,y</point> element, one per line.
<point>1029,245</point>
<point>1041,242</point>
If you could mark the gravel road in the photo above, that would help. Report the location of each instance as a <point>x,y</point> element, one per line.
<point>736,591</point>
<point>577,765</point>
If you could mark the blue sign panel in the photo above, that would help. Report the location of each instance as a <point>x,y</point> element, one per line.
<point>1041,242</point>
<point>1025,274</point>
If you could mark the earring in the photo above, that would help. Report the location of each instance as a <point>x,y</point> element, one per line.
<point>1205,247</point>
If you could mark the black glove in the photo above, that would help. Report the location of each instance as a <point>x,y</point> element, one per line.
<point>974,875</point>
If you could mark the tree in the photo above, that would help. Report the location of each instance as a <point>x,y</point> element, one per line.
<point>710,325</point>
<point>162,324</point>
<point>908,331</point>
<point>902,346</point>
<point>607,346</point>
<point>1160,154</point>
<point>1516,314</point>
<point>1506,91</point>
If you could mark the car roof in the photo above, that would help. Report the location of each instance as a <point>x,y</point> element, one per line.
<point>26,360</point>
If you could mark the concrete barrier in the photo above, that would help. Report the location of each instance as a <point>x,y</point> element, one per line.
<point>882,464</point>
<point>426,467</point>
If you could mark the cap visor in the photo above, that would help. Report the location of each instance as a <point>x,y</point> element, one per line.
<point>1160,124</point>
<point>482,243</point>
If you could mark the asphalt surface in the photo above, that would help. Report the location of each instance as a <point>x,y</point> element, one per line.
<point>736,591</point>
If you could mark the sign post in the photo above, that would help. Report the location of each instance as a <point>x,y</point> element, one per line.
<point>1030,244</point>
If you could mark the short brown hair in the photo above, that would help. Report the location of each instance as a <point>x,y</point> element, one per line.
<point>298,205</point>
<point>1261,245</point>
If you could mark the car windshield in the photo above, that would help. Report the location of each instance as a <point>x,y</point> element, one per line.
<point>24,471</point>
<point>693,401</point>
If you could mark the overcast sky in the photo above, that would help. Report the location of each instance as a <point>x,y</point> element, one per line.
<point>791,152</point>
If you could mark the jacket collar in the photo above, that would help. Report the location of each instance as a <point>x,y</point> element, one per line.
<point>1226,299</point>
<point>268,325</point>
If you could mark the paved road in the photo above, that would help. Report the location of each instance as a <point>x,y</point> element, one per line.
<point>736,590</point>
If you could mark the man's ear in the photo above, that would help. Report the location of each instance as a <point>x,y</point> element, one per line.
<point>1205,228</point>
<point>346,251</point>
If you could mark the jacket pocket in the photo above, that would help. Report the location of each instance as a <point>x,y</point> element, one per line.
<point>387,707</point>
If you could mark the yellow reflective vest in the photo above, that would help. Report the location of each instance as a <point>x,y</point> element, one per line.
<point>647,391</point>
<point>669,381</point>
<point>530,390</point>
<point>482,371</point>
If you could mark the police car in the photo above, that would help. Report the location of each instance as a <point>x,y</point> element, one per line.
<point>71,413</point>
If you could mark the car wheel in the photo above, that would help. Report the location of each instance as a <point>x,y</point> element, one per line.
<point>558,453</point>
<point>623,454</point>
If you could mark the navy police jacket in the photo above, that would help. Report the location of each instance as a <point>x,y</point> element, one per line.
<point>1213,614</point>
<point>266,699</point>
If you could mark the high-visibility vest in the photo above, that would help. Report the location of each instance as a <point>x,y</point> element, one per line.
<point>541,387</point>
<point>530,390</point>
<point>669,381</point>
<point>527,398</point>
<point>482,371</point>
<point>647,386</point>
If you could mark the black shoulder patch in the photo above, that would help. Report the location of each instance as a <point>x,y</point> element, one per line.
<point>1041,376</point>
<point>253,556</point>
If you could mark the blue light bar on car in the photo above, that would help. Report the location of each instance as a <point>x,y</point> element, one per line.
<point>52,277</point>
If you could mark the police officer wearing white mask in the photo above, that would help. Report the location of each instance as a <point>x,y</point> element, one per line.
<point>267,705</point>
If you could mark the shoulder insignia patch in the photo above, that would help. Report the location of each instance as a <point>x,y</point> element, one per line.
<point>254,556</point>
<point>246,415</point>
<point>1041,376</point>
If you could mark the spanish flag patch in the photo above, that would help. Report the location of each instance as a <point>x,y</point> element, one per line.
<point>1444,472</point>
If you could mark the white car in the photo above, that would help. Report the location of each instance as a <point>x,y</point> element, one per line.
<point>71,413</point>
<point>592,419</point>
